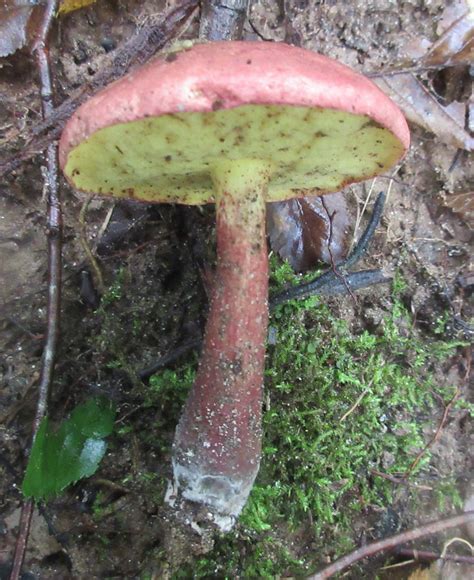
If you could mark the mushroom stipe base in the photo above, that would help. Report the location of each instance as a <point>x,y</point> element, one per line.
<point>171,158</point>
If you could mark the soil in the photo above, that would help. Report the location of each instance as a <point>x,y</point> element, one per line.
<point>162,256</point>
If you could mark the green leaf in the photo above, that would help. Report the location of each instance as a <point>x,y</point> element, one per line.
<point>59,458</point>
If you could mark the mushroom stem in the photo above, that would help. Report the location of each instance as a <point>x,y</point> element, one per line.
<point>217,445</point>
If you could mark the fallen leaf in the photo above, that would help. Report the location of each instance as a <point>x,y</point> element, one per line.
<point>456,43</point>
<point>13,26</point>
<point>462,204</point>
<point>299,230</point>
<point>422,108</point>
<point>420,574</point>
<point>66,6</point>
<point>74,451</point>
<point>450,55</point>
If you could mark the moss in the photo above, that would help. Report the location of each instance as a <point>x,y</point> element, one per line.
<point>338,405</point>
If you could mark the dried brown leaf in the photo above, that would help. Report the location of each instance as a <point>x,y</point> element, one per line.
<point>13,27</point>
<point>455,45</point>
<point>462,204</point>
<point>421,574</point>
<point>422,108</point>
<point>299,230</point>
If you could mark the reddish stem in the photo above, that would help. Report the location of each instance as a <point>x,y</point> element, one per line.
<point>218,439</point>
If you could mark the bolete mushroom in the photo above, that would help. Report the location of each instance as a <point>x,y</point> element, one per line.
<point>238,124</point>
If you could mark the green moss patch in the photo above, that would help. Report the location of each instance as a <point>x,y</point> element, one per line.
<point>338,405</point>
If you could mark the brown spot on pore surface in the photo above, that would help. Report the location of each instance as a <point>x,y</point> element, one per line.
<point>217,104</point>
<point>249,61</point>
<point>371,124</point>
<point>75,172</point>
<point>171,57</point>
<point>168,158</point>
<point>319,134</point>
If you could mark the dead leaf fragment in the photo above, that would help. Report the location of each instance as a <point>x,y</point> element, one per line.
<point>462,204</point>
<point>455,45</point>
<point>66,6</point>
<point>299,230</point>
<point>13,27</point>
<point>420,574</point>
<point>422,108</point>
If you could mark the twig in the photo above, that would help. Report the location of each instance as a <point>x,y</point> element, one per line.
<point>312,287</point>
<point>140,48</point>
<point>426,556</point>
<point>399,481</point>
<point>360,213</point>
<point>337,273</point>
<point>222,19</point>
<point>436,436</point>
<point>354,280</point>
<point>391,543</point>
<point>169,358</point>
<point>355,405</point>
<point>87,249</point>
<point>40,51</point>
<point>368,234</point>
<point>453,541</point>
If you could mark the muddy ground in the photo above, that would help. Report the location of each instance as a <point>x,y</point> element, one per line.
<point>155,257</point>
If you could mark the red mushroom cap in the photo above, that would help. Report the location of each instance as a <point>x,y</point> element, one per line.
<point>211,79</point>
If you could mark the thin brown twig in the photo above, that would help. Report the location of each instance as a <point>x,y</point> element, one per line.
<point>357,403</point>
<point>99,279</point>
<point>399,481</point>
<point>54,233</point>
<point>140,48</point>
<point>436,436</point>
<point>391,543</point>
<point>333,263</point>
<point>426,556</point>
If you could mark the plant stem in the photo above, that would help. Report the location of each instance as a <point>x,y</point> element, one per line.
<point>54,213</point>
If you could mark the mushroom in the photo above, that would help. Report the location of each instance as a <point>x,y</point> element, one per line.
<point>238,124</point>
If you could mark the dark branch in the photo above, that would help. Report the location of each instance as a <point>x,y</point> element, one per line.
<point>328,278</point>
<point>222,19</point>
<point>391,543</point>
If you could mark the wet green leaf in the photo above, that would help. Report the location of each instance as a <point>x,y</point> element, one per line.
<point>74,451</point>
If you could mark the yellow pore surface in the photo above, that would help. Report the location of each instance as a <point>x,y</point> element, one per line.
<point>170,158</point>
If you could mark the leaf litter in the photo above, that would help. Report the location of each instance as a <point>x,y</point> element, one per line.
<point>300,230</point>
<point>418,99</point>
